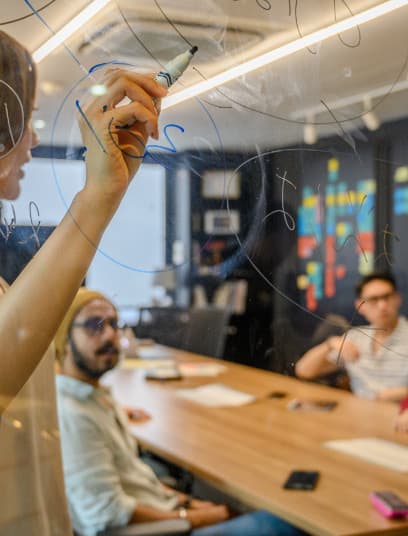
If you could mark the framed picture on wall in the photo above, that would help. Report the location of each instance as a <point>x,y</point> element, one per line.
<point>220,184</point>
<point>221,222</point>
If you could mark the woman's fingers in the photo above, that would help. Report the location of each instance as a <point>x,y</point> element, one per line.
<point>134,112</point>
<point>136,87</point>
<point>116,133</point>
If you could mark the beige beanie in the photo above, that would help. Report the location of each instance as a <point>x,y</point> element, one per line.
<point>82,297</point>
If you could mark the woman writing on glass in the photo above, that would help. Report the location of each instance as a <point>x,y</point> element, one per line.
<point>33,499</point>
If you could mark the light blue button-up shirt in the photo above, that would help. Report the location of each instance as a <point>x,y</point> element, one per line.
<point>104,477</point>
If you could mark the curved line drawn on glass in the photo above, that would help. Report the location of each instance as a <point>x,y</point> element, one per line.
<point>267,280</point>
<point>267,6</point>
<point>11,225</point>
<point>88,124</point>
<point>349,45</point>
<point>367,328</point>
<point>19,19</point>
<point>373,107</point>
<point>387,236</point>
<point>67,48</point>
<point>171,148</point>
<point>125,20</point>
<point>6,112</point>
<point>354,236</point>
<point>243,244</point>
<point>35,227</point>
<point>335,9</point>
<point>146,152</point>
<point>346,136</point>
<point>104,64</point>
<point>9,125</point>
<point>352,326</point>
<point>263,4</point>
<point>53,144</point>
<point>221,106</point>
<point>172,23</point>
<point>150,53</point>
<point>358,242</point>
<point>286,215</point>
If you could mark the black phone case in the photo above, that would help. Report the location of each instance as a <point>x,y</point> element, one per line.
<point>302,480</point>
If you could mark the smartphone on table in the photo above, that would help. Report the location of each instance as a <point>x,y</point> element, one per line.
<point>389,504</point>
<point>302,480</point>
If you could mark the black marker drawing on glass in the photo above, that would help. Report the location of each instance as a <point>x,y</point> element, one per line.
<point>8,226</point>
<point>4,111</point>
<point>289,219</point>
<point>36,12</point>
<point>19,19</point>
<point>387,236</point>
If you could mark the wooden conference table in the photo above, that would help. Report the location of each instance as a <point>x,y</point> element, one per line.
<point>248,451</point>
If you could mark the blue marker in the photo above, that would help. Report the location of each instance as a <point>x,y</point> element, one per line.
<point>173,70</point>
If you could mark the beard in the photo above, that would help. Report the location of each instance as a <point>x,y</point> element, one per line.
<point>93,370</point>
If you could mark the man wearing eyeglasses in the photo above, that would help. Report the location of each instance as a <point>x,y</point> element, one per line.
<point>375,356</point>
<point>107,484</point>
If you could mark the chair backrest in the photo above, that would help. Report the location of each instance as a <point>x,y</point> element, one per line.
<point>170,527</point>
<point>207,331</point>
<point>165,325</point>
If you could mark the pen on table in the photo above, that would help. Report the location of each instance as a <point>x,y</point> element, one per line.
<point>172,71</point>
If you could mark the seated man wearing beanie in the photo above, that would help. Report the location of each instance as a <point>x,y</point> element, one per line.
<point>106,482</point>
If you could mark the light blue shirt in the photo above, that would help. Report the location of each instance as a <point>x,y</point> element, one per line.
<point>104,477</point>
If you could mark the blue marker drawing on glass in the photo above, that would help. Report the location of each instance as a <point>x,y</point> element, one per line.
<point>91,128</point>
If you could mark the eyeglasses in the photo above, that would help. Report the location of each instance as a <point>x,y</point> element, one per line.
<point>374,300</point>
<point>95,325</point>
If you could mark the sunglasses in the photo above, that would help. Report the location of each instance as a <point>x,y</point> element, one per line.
<point>95,325</point>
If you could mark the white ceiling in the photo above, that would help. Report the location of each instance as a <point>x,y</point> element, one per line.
<point>266,108</point>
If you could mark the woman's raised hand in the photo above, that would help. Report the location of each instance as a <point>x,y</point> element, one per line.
<point>115,136</point>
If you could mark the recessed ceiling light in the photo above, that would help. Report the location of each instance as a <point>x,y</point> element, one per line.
<point>39,124</point>
<point>69,29</point>
<point>97,90</point>
<point>310,132</point>
<point>50,87</point>
<point>283,51</point>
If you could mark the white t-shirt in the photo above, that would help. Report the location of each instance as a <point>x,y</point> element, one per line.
<point>373,372</point>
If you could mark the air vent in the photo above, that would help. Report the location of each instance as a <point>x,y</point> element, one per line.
<point>152,39</point>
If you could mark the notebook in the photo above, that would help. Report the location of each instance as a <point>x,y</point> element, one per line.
<point>374,450</point>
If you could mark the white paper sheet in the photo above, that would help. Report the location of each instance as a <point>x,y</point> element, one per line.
<point>189,370</point>
<point>374,450</point>
<point>216,395</point>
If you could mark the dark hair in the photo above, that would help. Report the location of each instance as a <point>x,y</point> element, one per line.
<point>17,71</point>
<point>383,276</point>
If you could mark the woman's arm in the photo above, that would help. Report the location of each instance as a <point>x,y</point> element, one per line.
<point>32,309</point>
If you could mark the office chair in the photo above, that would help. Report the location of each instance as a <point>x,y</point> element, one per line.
<point>169,527</point>
<point>173,527</point>
<point>165,325</point>
<point>206,331</point>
